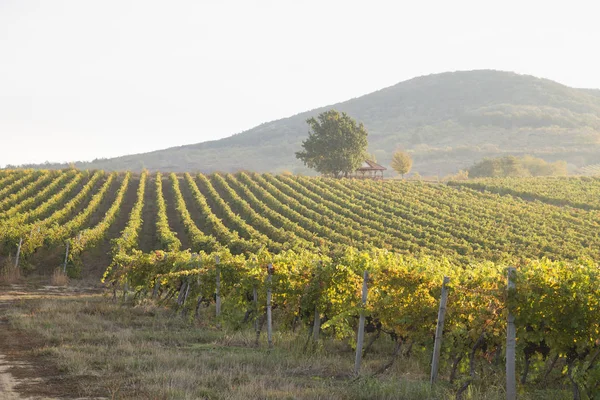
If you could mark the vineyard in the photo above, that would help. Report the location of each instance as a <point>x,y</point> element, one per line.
<point>203,241</point>
<point>578,192</point>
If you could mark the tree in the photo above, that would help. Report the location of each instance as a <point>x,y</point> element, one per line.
<point>370,157</point>
<point>401,162</point>
<point>461,175</point>
<point>336,144</point>
<point>511,166</point>
<point>540,167</point>
<point>488,167</point>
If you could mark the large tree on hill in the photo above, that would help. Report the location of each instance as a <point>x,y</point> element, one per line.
<point>336,144</point>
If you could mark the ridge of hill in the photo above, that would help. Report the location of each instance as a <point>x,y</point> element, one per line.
<point>446,121</point>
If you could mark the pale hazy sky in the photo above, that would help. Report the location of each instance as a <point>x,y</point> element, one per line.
<point>84,79</point>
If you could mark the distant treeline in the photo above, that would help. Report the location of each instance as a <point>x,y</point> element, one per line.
<point>517,166</point>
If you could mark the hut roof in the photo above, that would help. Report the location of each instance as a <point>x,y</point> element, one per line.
<point>369,165</point>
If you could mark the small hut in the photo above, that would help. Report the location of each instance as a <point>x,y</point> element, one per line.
<point>369,170</point>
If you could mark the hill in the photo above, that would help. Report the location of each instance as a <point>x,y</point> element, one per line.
<point>447,121</point>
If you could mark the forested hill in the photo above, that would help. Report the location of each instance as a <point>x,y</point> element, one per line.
<point>447,121</point>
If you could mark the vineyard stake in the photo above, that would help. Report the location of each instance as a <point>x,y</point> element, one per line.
<point>66,258</point>
<point>511,334</point>
<point>156,287</point>
<point>361,325</point>
<point>187,292</point>
<point>125,288</point>
<point>218,286</point>
<point>198,304</point>
<point>317,323</point>
<point>255,298</point>
<point>269,310</point>
<point>437,346</point>
<point>18,253</point>
<point>182,290</point>
<point>198,285</point>
<point>126,283</point>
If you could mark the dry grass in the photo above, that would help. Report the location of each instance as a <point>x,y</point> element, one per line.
<point>142,351</point>
<point>59,278</point>
<point>9,273</point>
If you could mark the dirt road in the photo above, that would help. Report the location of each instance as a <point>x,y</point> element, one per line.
<point>7,381</point>
<point>24,375</point>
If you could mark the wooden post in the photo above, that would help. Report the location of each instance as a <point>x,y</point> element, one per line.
<point>361,326</point>
<point>255,298</point>
<point>66,258</point>
<point>114,291</point>
<point>198,304</point>
<point>182,290</point>
<point>18,253</point>
<point>269,306</point>
<point>317,322</point>
<point>218,286</point>
<point>511,338</point>
<point>198,285</point>
<point>156,287</point>
<point>437,346</point>
<point>187,292</point>
<point>125,284</point>
<point>195,258</point>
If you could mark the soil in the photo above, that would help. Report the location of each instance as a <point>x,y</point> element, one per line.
<point>98,258</point>
<point>194,210</point>
<point>175,222</point>
<point>25,375</point>
<point>148,240</point>
<point>83,204</point>
<point>216,210</point>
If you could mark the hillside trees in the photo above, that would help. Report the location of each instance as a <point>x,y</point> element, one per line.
<point>336,144</point>
<point>511,166</point>
<point>538,167</point>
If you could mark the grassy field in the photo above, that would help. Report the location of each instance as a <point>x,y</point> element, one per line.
<point>141,350</point>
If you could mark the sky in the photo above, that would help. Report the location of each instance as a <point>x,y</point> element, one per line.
<point>86,79</point>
